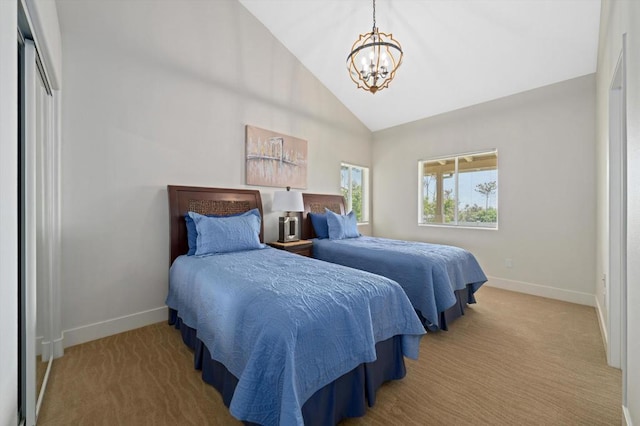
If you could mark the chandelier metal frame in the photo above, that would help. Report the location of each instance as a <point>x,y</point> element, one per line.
<point>374,59</point>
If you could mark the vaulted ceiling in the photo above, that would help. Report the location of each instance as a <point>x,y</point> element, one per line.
<point>457,53</point>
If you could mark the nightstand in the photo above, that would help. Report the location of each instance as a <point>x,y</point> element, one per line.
<point>302,247</point>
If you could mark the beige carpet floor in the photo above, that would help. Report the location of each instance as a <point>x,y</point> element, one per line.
<point>513,359</point>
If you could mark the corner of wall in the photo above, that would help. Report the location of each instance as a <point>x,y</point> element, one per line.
<point>8,213</point>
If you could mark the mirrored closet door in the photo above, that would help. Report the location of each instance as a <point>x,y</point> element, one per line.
<point>36,250</point>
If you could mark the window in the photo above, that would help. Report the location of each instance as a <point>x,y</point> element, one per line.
<point>354,184</point>
<point>459,190</point>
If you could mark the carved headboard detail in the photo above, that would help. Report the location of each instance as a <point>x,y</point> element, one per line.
<point>319,207</point>
<point>217,207</point>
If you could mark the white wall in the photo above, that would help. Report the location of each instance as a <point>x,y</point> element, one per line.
<point>620,17</point>
<point>159,93</point>
<point>546,149</point>
<point>8,213</point>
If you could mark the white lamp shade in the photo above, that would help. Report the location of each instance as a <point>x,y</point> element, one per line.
<point>287,201</point>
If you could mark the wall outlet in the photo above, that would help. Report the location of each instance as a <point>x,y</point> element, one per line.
<point>508,262</point>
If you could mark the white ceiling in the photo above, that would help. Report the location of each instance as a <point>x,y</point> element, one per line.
<point>456,52</point>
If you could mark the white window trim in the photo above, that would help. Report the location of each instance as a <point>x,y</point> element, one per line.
<point>365,191</point>
<point>421,193</point>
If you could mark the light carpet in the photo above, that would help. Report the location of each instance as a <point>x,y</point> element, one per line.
<point>513,359</point>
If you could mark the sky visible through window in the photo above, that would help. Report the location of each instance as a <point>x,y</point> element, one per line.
<point>356,177</point>
<point>467,182</point>
<point>355,196</point>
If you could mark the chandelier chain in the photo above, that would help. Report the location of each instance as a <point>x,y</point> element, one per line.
<point>374,16</point>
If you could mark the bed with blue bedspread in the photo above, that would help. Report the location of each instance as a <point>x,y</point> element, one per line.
<point>290,340</point>
<point>440,280</point>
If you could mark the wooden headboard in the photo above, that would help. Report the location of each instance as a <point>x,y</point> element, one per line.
<point>219,201</point>
<point>316,203</point>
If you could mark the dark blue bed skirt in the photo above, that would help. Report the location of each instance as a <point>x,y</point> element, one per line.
<point>347,396</point>
<point>463,297</point>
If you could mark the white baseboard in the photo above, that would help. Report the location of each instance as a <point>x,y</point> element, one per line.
<point>626,416</point>
<point>603,327</point>
<point>44,349</point>
<point>98,330</point>
<point>543,291</point>
<point>58,347</point>
<point>39,344</point>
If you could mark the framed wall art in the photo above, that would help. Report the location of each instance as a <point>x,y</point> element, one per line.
<point>274,159</point>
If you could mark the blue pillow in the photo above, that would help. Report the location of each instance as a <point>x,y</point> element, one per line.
<point>319,222</point>
<point>226,234</point>
<point>192,233</point>
<point>342,226</point>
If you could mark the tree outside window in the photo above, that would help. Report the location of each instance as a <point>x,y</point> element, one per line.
<point>460,190</point>
<point>354,186</point>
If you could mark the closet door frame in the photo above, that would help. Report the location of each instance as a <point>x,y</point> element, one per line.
<point>28,260</point>
<point>39,229</point>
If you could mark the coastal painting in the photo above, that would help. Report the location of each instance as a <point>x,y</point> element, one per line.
<point>274,159</point>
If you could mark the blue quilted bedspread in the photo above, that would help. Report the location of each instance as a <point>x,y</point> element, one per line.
<point>286,325</point>
<point>428,273</point>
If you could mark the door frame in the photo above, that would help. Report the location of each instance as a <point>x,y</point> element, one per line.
<point>616,291</point>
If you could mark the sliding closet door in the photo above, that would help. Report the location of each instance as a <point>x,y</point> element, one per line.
<point>34,252</point>
<point>28,261</point>
<point>45,250</point>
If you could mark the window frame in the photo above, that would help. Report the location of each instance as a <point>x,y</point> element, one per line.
<point>365,190</point>
<point>455,223</point>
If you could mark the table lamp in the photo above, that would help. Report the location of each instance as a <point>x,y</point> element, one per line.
<point>288,201</point>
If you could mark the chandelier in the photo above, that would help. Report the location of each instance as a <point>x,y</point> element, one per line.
<point>374,59</point>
